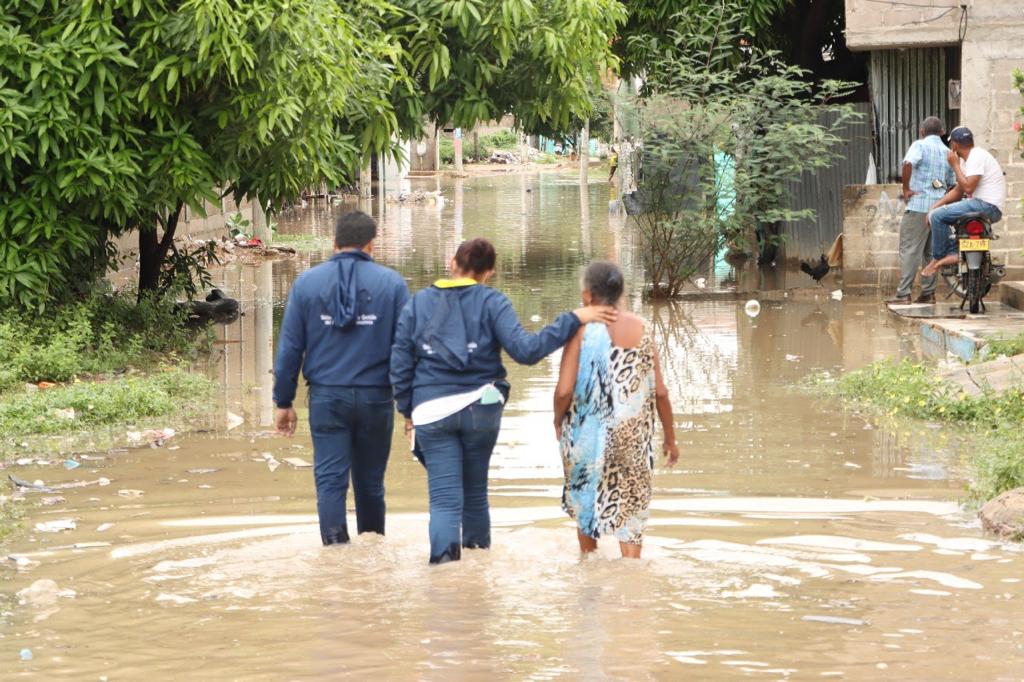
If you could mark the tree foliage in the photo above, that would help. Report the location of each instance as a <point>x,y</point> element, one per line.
<point>118,115</point>
<point>651,32</point>
<point>719,144</point>
<point>534,59</point>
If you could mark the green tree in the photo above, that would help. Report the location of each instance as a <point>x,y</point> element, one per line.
<point>534,59</point>
<point>719,143</point>
<point>119,115</point>
<point>653,27</point>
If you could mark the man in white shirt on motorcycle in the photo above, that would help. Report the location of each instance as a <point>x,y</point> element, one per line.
<point>980,188</point>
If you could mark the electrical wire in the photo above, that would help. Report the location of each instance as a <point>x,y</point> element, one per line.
<point>928,21</point>
<point>963,23</point>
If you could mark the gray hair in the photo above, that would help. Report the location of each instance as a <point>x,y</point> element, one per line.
<point>933,125</point>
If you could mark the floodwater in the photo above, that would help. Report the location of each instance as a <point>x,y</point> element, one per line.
<point>794,540</point>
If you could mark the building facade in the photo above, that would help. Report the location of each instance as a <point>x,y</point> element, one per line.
<point>954,59</point>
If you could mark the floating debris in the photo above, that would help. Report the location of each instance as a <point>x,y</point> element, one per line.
<point>56,526</point>
<point>130,492</point>
<point>43,592</point>
<point>35,486</point>
<point>21,561</point>
<point>297,462</point>
<point>272,463</point>
<point>71,464</point>
<point>25,654</point>
<point>155,437</point>
<point>752,308</point>
<point>234,421</point>
<point>104,527</point>
<point>834,620</point>
<point>203,470</point>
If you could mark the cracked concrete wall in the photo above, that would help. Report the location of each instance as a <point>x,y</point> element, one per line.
<point>993,46</point>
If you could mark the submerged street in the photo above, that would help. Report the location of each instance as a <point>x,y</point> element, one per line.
<point>794,540</point>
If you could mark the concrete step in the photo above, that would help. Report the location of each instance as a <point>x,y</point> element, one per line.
<point>948,329</point>
<point>996,375</point>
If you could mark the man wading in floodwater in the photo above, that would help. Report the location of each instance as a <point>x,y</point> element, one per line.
<point>339,326</point>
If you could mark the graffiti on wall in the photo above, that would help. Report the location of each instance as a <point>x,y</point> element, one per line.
<point>886,214</point>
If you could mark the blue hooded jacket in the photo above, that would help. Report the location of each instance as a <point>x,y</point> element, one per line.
<point>449,341</point>
<point>339,325</point>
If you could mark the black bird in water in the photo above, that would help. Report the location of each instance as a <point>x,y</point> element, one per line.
<point>818,270</point>
<point>216,308</point>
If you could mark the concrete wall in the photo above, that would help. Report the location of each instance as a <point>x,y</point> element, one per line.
<point>874,25</point>
<point>196,226</point>
<point>871,223</point>
<point>429,160</point>
<point>993,46</point>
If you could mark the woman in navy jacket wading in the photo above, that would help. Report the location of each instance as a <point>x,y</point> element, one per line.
<point>450,385</point>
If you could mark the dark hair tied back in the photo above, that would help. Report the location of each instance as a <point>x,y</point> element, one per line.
<point>475,256</point>
<point>604,281</point>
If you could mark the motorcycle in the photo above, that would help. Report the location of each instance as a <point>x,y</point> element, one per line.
<point>975,273</point>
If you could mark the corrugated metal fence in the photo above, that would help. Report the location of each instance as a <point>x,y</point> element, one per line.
<point>906,87</point>
<point>823,191</point>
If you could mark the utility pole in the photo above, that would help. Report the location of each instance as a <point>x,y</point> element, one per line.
<point>365,181</point>
<point>584,152</point>
<point>457,146</point>
<point>260,224</point>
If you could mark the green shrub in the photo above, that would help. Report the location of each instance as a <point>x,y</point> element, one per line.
<point>481,150</point>
<point>120,400</point>
<point>997,463</point>
<point>1003,346</point>
<point>911,389</point>
<point>102,333</point>
<point>447,151</point>
<point>990,421</point>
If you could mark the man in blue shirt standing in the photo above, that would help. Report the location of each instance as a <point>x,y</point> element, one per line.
<point>926,175</point>
<point>338,326</point>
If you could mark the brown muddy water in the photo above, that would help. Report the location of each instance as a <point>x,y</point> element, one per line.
<point>793,541</point>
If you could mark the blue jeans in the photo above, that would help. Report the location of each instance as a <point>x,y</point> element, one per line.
<point>943,240</point>
<point>351,429</point>
<point>457,452</point>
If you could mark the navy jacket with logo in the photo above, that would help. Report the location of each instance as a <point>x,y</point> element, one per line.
<point>339,325</point>
<point>449,341</point>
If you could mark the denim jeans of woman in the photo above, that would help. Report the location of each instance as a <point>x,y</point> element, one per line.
<point>351,429</point>
<point>457,453</point>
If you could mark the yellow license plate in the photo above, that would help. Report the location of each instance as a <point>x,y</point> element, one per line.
<point>974,245</point>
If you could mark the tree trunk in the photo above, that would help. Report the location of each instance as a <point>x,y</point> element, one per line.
<point>153,251</point>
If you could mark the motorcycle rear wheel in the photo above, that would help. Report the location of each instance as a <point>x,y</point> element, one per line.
<point>973,286</point>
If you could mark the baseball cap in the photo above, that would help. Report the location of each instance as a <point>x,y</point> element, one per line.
<point>961,135</point>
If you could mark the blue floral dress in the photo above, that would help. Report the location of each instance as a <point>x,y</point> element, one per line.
<point>607,438</point>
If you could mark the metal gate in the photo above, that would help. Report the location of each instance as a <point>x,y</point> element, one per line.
<point>822,190</point>
<point>906,87</point>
